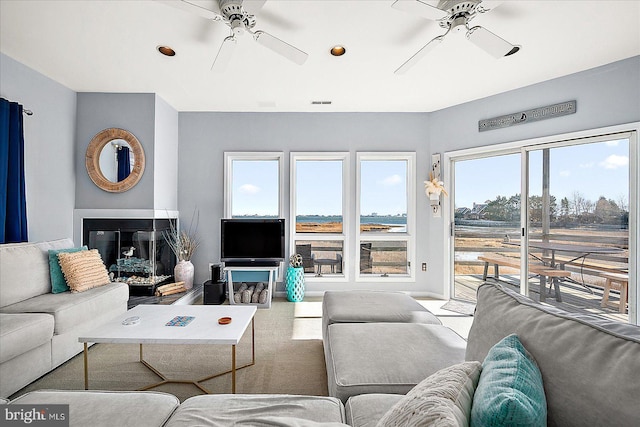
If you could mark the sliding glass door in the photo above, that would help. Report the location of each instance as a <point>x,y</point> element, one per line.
<point>487,215</point>
<point>569,242</point>
<point>578,224</point>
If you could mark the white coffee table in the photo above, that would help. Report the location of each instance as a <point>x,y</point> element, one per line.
<point>152,329</point>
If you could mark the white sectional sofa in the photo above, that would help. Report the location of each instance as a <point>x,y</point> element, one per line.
<point>38,329</point>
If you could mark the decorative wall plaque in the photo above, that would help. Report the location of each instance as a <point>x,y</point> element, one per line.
<point>534,115</point>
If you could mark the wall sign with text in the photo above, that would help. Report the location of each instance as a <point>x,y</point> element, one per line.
<point>534,115</point>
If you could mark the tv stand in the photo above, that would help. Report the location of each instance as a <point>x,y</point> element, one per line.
<point>251,274</point>
<point>253,263</point>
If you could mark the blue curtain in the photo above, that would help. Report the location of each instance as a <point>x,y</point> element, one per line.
<point>13,201</point>
<point>124,166</point>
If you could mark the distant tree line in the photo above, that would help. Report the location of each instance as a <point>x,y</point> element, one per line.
<point>574,209</point>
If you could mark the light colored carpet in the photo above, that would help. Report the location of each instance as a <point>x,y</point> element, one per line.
<point>289,359</point>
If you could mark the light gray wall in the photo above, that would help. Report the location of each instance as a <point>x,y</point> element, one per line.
<point>204,137</point>
<point>49,148</point>
<point>606,96</point>
<point>165,180</point>
<point>129,111</point>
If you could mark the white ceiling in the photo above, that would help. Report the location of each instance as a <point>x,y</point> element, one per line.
<point>110,46</point>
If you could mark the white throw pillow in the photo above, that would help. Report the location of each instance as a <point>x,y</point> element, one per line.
<point>442,399</point>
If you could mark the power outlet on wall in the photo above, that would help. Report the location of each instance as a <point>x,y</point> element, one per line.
<point>424,266</point>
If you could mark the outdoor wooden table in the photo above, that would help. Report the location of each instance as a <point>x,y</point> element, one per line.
<point>579,251</point>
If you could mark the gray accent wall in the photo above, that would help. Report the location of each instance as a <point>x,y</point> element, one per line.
<point>49,136</point>
<point>129,111</point>
<point>204,137</point>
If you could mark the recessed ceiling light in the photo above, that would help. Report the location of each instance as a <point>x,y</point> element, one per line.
<point>166,51</point>
<point>338,50</point>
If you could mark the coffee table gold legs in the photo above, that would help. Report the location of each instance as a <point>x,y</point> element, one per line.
<point>165,380</point>
<point>232,371</point>
<point>86,368</point>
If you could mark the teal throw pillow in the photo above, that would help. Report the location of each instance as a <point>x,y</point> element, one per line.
<point>510,390</point>
<point>58,283</point>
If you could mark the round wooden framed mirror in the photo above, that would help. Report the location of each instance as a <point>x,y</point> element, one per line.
<point>104,152</point>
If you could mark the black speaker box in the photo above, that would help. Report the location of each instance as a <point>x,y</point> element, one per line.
<point>214,292</point>
<point>216,273</point>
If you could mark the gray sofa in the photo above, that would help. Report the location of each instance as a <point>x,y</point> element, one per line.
<point>38,329</point>
<point>589,367</point>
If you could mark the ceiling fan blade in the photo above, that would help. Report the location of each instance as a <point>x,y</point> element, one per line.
<point>252,6</point>
<point>419,55</point>
<point>491,43</point>
<point>487,5</point>
<point>290,52</point>
<point>420,8</point>
<point>191,8</point>
<point>224,55</point>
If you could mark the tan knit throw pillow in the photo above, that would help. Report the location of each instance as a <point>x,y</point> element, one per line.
<point>83,270</point>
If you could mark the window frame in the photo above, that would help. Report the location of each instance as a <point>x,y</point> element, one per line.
<point>409,236</point>
<point>230,157</point>
<point>344,157</point>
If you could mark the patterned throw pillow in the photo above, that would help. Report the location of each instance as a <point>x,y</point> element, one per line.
<point>443,399</point>
<point>58,284</point>
<point>510,390</point>
<point>83,270</point>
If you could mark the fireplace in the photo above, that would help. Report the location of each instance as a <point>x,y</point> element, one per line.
<point>134,250</point>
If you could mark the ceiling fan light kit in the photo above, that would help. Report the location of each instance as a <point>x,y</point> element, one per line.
<point>454,16</point>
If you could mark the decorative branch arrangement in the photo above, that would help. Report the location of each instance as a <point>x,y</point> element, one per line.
<point>183,243</point>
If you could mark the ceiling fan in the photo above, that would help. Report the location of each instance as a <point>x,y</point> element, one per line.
<point>454,16</point>
<point>239,16</point>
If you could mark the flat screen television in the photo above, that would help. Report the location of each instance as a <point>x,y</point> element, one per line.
<point>252,241</point>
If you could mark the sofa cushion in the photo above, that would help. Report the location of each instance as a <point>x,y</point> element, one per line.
<point>587,362</point>
<point>24,270</point>
<point>83,270</point>
<point>372,306</point>
<point>107,408</point>
<point>365,410</point>
<point>58,284</point>
<point>69,309</point>
<point>510,391</point>
<point>444,398</point>
<point>257,409</point>
<point>20,333</point>
<point>386,357</point>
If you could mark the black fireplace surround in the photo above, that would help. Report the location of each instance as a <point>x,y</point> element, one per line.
<point>134,251</point>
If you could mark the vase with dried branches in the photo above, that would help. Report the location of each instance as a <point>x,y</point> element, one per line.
<point>183,243</point>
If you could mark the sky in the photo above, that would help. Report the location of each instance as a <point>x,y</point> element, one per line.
<point>319,188</point>
<point>594,170</point>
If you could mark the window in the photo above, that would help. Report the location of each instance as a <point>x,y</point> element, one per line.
<point>252,185</point>
<point>319,212</point>
<point>386,215</point>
